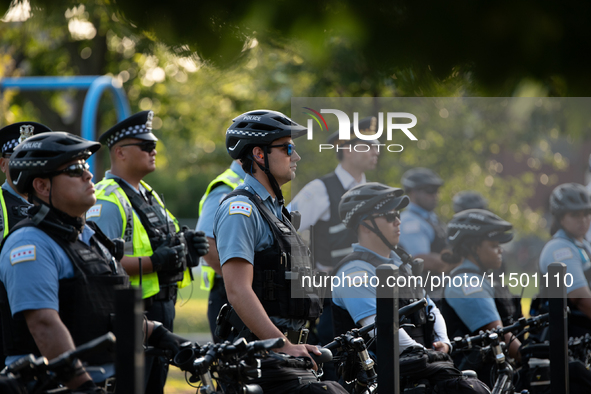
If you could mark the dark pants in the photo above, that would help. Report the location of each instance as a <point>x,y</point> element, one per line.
<point>157,367</point>
<point>217,298</point>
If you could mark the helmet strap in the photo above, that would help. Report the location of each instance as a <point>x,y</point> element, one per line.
<point>377,231</point>
<point>272,180</point>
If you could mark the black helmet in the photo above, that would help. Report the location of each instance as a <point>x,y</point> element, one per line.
<point>469,199</point>
<point>569,197</point>
<point>259,128</point>
<point>43,154</point>
<point>368,198</point>
<point>477,224</point>
<point>420,177</point>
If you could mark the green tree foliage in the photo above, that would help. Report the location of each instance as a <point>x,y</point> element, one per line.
<point>167,56</point>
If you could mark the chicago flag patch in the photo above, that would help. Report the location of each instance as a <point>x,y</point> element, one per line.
<point>22,253</point>
<point>240,207</point>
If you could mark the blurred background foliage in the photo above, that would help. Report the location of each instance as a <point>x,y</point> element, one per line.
<point>199,64</point>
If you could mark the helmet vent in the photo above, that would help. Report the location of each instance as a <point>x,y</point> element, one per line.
<point>260,126</point>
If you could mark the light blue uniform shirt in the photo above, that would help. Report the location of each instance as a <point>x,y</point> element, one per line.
<point>416,233</point>
<point>109,219</point>
<point>213,200</point>
<point>573,253</point>
<point>475,305</point>
<point>6,187</point>
<point>31,265</point>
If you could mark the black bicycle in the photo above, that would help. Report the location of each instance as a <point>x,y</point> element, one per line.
<point>493,349</point>
<point>36,375</point>
<point>231,367</point>
<point>355,366</point>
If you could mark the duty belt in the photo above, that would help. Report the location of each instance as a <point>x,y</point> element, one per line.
<point>297,337</point>
<point>166,293</point>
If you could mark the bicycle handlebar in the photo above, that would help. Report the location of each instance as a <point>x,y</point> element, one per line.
<point>484,337</point>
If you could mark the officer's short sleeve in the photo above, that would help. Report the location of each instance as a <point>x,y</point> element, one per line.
<point>416,234</point>
<point>560,250</point>
<point>210,206</point>
<point>108,217</point>
<point>474,305</point>
<point>30,268</point>
<point>237,229</point>
<point>353,291</point>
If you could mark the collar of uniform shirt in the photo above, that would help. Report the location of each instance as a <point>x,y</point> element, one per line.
<point>466,264</point>
<point>386,260</point>
<point>109,175</point>
<point>418,210</point>
<point>251,184</point>
<point>347,179</point>
<point>6,187</point>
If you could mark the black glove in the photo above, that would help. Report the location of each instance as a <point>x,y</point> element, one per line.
<point>197,240</point>
<point>161,338</point>
<point>169,258</point>
<point>88,387</point>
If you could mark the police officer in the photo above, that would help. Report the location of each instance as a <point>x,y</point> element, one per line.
<point>259,249</point>
<point>422,234</point>
<point>373,211</point>
<point>155,251</point>
<point>211,272</point>
<point>468,199</point>
<point>14,204</point>
<point>570,207</point>
<point>475,236</point>
<point>59,274</point>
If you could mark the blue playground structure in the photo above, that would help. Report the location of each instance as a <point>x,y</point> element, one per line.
<point>95,84</point>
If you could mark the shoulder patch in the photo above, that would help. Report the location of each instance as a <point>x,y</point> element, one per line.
<point>411,227</point>
<point>562,254</point>
<point>23,253</point>
<point>469,289</point>
<point>94,212</point>
<point>240,207</point>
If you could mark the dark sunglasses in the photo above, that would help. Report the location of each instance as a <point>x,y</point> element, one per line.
<point>389,216</point>
<point>290,148</point>
<point>73,170</point>
<point>430,189</point>
<point>146,146</point>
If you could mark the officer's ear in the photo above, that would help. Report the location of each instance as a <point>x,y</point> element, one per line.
<point>259,155</point>
<point>4,164</point>
<point>42,187</point>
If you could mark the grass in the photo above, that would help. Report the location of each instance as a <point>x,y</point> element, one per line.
<point>191,310</point>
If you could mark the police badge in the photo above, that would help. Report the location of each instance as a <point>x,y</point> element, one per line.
<point>26,132</point>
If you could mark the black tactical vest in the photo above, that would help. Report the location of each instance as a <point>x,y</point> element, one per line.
<point>155,221</point>
<point>331,240</point>
<point>278,270</point>
<point>86,301</point>
<point>16,210</point>
<point>508,307</point>
<point>423,322</point>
